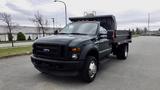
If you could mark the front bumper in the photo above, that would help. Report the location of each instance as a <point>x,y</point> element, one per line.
<point>56,65</point>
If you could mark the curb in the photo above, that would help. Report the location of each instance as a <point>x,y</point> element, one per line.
<point>3,57</point>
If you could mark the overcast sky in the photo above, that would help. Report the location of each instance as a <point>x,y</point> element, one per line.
<point>129,13</point>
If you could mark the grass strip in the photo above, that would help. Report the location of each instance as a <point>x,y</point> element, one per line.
<point>13,51</point>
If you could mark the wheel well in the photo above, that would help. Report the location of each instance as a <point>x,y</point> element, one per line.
<point>93,53</point>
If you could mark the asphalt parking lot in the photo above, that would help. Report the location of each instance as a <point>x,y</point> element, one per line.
<point>141,71</point>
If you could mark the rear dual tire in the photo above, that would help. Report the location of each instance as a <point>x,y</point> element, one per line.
<point>122,51</point>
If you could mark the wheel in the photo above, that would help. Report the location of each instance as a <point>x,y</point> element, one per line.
<point>90,70</point>
<point>122,51</point>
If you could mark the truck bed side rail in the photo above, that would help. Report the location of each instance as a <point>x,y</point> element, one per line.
<point>120,36</point>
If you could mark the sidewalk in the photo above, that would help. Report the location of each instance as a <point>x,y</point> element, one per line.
<point>16,44</point>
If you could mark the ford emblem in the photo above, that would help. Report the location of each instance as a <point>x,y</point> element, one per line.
<point>46,50</point>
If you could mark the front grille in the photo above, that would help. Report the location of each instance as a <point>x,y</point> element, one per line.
<point>48,51</point>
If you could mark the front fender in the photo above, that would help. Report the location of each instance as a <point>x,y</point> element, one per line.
<point>86,49</point>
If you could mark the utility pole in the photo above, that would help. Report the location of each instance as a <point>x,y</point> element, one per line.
<point>53,23</point>
<point>65,8</point>
<point>149,21</point>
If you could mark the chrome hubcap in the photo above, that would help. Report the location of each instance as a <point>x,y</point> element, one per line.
<point>126,52</point>
<point>92,69</point>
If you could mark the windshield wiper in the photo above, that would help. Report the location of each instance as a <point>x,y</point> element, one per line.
<point>79,33</point>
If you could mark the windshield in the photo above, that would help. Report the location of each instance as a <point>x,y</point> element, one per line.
<point>80,28</point>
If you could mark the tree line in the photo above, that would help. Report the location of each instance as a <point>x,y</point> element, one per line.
<point>140,31</point>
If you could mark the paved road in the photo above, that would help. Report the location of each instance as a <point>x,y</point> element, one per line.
<point>141,71</point>
<point>16,44</point>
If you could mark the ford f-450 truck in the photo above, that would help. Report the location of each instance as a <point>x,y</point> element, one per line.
<point>81,46</point>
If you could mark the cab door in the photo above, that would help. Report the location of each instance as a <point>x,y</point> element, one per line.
<point>104,43</point>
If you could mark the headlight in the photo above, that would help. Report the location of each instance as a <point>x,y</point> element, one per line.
<point>74,56</point>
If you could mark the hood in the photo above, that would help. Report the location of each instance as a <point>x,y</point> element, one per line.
<point>70,40</point>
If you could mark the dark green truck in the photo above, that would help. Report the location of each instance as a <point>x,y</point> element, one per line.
<point>80,47</point>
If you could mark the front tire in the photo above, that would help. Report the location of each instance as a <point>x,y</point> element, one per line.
<point>90,70</point>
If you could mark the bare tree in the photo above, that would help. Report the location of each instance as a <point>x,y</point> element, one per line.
<point>40,22</point>
<point>6,18</point>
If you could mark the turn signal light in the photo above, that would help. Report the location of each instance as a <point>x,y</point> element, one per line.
<point>75,49</point>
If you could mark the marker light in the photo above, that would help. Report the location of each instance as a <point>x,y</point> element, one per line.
<point>75,49</point>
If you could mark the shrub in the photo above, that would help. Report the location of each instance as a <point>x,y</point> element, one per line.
<point>21,37</point>
<point>29,38</point>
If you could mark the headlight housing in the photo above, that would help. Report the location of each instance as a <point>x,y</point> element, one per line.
<point>75,52</point>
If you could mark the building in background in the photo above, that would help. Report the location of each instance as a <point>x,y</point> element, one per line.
<point>33,32</point>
